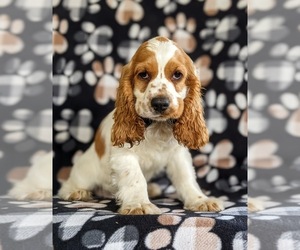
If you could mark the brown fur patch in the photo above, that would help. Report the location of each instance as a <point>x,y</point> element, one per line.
<point>143,61</point>
<point>190,129</point>
<point>128,127</point>
<point>177,63</point>
<point>162,39</point>
<point>99,143</point>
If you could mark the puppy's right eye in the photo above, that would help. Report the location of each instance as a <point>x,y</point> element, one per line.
<point>144,75</point>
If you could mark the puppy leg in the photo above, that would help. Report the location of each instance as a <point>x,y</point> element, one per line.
<point>181,172</point>
<point>37,185</point>
<point>131,185</point>
<point>82,179</point>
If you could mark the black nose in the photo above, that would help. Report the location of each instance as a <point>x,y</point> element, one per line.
<point>160,104</point>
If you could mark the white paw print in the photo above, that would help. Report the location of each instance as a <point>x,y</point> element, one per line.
<point>5,3</point>
<point>137,35</point>
<point>78,9</point>
<point>36,11</point>
<point>257,5</point>
<point>20,79</point>
<point>89,45</point>
<point>288,108</point>
<point>213,158</point>
<point>219,31</point>
<point>180,30</point>
<point>73,127</point>
<point>216,122</point>
<point>10,43</point>
<point>238,110</point>
<point>65,81</point>
<point>282,71</point>
<point>45,46</point>
<point>234,70</point>
<point>26,126</point>
<point>60,28</point>
<point>106,78</point>
<point>292,4</point>
<point>257,122</point>
<point>170,6</point>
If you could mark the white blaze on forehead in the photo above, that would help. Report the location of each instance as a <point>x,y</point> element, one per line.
<point>164,51</point>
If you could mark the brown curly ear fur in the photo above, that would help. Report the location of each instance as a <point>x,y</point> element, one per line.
<point>190,129</point>
<point>128,127</point>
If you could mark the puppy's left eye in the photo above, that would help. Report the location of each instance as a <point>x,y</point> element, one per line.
<point>177,75</point>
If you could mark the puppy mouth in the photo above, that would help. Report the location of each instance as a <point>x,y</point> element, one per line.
<point>161,116</point>
<point>149,121</point>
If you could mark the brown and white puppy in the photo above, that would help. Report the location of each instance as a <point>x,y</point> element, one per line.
<point>157,117</point>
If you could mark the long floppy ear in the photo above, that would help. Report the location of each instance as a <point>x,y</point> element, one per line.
<point>128,127</point>
<point>190,129</point>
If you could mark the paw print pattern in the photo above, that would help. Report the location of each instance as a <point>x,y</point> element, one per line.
<point>45,46</point>
<point>262,154</point>
<point>206,74</point>
<point>26,126</point>
<point>60,28</point>
<point>213,158</point>
<point>257,5</point>
<point>217,32</point>
<point>170,6</point>
<point>137,35</point>
<point>180,30</point>
<point>258,122</point>
<point>73,127</point>
<point>289,108</point>
<point>268,29</point>
<point>127,10</point>
<point>193,227</point>
<point>10,43</point>
<point>78,9</point>
<point>105,76</point>
<point>216,122</point>
<point>20,79</point>
<point>93,41</point>
<point>282,71</point>
<point>292,4</point>
<point>36,11</point>
<point>5,3</point>
<point>65,81</point>
<point>233,71</point>
<point>212,7</point>
<point>275,184</point>
<point>238,110</point>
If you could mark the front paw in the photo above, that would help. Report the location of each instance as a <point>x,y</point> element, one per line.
<point>205,205</point>
<point>255,205</point>
<point>138,209</point>
<point>78,195</point>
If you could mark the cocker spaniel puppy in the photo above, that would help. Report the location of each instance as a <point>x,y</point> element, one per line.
<point>157,117</point>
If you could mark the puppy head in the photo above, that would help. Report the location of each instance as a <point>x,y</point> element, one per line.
<point>159,83</point>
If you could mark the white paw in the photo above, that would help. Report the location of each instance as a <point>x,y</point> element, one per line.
<point>205,205</point>
<point>78,195</point>
<point>38,195</point>
<point>135,209</point>
<point>255,205</point>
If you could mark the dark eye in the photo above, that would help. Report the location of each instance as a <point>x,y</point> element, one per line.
<point>177,75</point>
<point>144,75</point>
